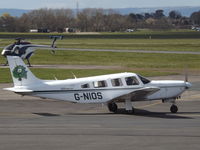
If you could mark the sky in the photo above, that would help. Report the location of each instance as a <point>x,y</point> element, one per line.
<point>36,4</point>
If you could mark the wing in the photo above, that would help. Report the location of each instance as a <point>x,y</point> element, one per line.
<point>138,95</point>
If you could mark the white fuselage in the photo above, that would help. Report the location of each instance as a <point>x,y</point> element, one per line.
<point>102,89</point>
<point>23,51</point>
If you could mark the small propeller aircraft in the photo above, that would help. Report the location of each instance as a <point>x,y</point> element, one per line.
<point>25,49</point>
<point>109,89</point>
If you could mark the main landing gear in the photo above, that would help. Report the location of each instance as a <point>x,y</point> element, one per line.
<point>174,109</point>
<point>112,107</point>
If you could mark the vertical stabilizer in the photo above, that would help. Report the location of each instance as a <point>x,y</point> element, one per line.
<point>21,74</point>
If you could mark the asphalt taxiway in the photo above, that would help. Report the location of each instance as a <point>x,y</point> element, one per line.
<point>33,123</point>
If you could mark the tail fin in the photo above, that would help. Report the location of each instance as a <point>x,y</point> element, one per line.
<point>21,74</point>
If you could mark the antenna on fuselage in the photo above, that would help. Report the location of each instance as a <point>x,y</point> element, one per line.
<point>73,75</point>
<point>55,78</point>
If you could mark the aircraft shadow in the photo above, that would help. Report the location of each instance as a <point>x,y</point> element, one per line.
<point>143,113</point>
<point>189,113</point>
<point>138,112</point>
<point>146,113</point>
<point>47,114</point>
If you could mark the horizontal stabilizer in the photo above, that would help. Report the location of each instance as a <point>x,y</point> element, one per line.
<point>17,90</point>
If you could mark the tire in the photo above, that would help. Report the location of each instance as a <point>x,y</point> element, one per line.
<point>174,109</point>
<point>112,107</point>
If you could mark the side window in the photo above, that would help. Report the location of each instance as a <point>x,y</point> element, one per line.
<point>99,84</point>
<point>131,81</point>
<point>85,86</point>
<point>116,82</point>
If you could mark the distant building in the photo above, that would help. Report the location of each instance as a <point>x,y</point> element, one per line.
<point>34,30</point>
<point>129,30</point>
<point>70,30</point>
<point>39,30</point>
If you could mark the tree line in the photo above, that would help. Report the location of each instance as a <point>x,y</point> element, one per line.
<point>95,20</point>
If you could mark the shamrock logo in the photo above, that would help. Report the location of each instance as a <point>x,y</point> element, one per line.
<point>20,72</point>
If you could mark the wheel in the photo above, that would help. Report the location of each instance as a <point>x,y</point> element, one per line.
<point>112,107</point>
<point>174,109</point>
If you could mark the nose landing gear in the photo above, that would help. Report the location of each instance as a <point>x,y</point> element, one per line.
<point>173,108</point>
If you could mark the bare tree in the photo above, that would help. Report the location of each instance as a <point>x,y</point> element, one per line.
<point>174,15</point>
<point>84,19</point>
<point>159,14</point>
<point>7,23</point>
<point>195,18</point>
<point>97,20</point>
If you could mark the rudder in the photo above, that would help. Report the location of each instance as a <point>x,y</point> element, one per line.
<point>21,74</point>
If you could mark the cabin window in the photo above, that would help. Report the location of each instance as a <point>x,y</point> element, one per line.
<point>116,82</point>
<point>131,81</point>
<point>85,86</point>
<point>99,84</point>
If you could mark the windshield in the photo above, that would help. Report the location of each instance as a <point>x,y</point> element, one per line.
<point>10,47</point>
<point>143,79</point>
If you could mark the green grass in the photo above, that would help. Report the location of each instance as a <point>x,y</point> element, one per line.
<point>133,44</point>
<point>126,60</point>
<point>123,44</point>
<point>130,60</point>
<point>146,64</point>
<point>140,34</point>
<point>61,74</point>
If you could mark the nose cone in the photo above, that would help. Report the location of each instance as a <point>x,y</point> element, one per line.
<point>3,52</point>
<point>6,52</point>
<point>188,85</point>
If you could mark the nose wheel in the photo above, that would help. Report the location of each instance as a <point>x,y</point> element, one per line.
<point>174,109</point>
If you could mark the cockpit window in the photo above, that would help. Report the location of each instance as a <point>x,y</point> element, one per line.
<point>116,82</point>
<point>99,84</point>
<point>131,81</point>
<point>11,46</point>
<point>143,79</point>
<point>85,86</point>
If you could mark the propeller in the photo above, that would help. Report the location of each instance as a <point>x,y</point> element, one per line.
<point>188,85</point>
<point>186,73</point>
<point>186,76</point>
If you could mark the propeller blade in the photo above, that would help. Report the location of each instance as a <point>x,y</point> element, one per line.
<point>186,77</point>
<point>186,74</point>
